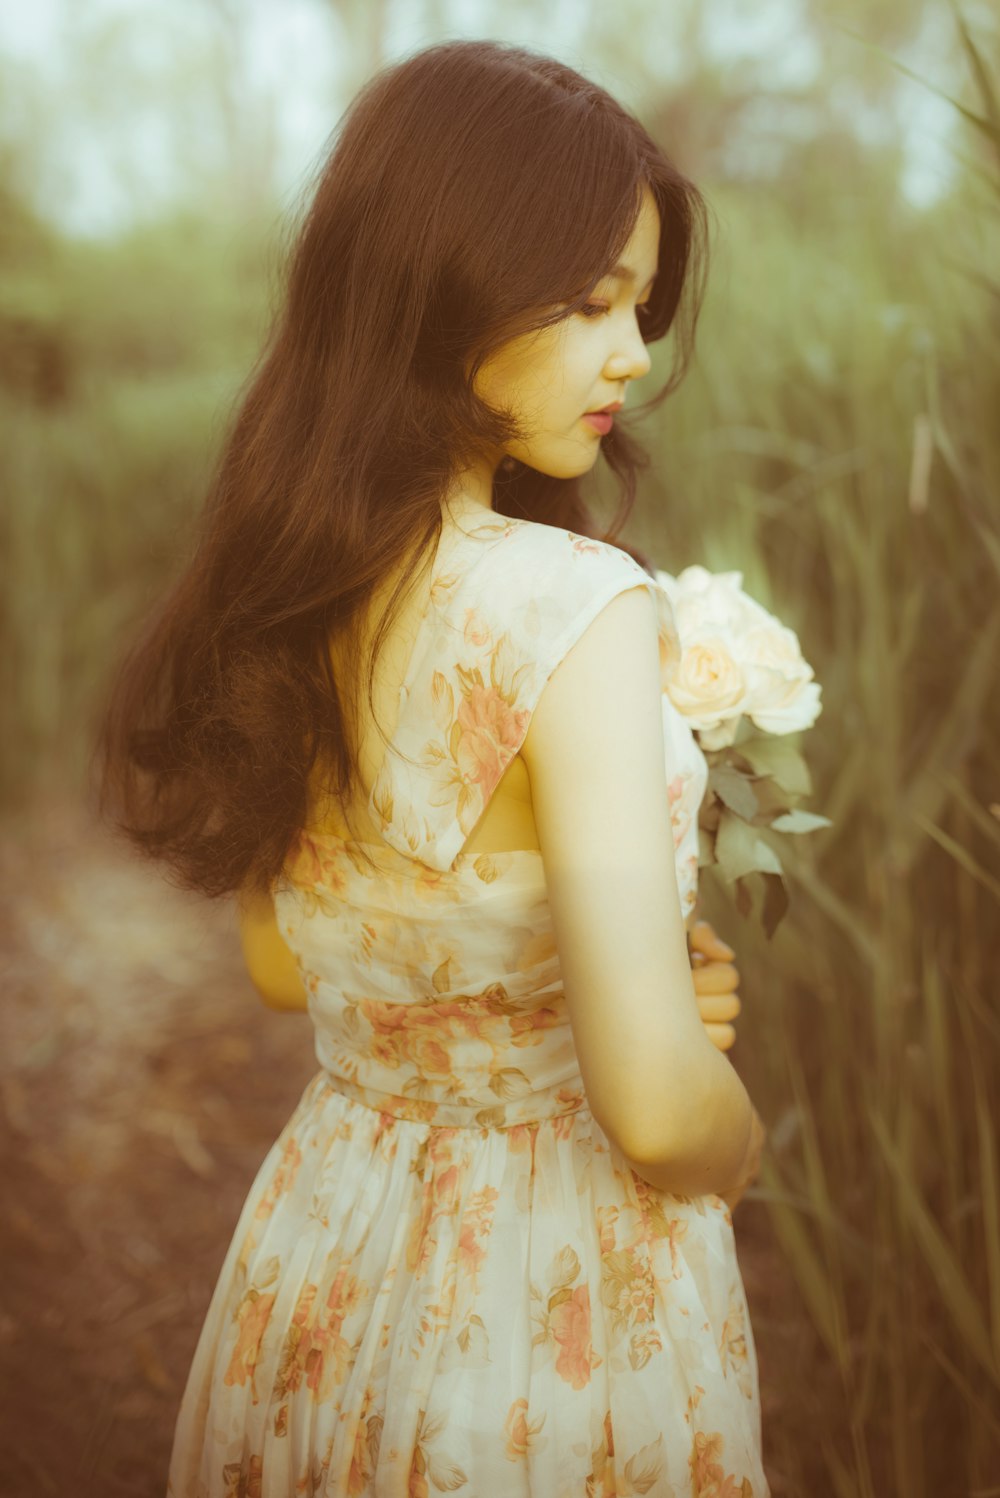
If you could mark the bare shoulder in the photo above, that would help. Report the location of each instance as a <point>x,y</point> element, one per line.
<point>613,667</point>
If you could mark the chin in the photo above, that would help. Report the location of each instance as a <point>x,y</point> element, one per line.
<point>562,465</point>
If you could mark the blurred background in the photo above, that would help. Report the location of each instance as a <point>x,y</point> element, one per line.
<point>837,440</point>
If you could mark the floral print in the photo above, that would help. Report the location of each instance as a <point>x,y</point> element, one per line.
<point>445,1277</point>
<point>498,625</point>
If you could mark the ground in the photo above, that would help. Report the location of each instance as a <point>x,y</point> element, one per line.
<point>141,1084</point>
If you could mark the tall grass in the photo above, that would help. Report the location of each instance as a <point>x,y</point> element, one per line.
<point>838,441</point>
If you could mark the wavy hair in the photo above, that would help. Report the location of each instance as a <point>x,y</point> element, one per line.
<point>474,191</point>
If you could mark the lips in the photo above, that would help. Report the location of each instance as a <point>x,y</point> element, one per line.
<point>606,410</point>
<point>599,421</point>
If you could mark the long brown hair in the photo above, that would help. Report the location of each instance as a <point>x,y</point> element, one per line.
<point>475,190</point>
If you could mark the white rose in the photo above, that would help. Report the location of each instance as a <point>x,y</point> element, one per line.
<point>701,597</point>
<point>786,698</point>
<point>708,684</point>
<point>736,660</point>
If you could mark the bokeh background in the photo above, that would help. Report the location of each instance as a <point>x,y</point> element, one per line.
<point>837,440</point>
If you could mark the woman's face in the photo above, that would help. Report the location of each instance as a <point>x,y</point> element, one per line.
<point>552,376</point>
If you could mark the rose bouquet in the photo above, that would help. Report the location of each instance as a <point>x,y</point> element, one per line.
<point>742,687</point>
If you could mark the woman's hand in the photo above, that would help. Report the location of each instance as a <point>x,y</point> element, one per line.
<point>715,983</point>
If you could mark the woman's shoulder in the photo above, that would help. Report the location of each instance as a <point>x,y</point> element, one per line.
<point>538,557</point>
<point>532,588</point>
<point>565,574</point>
<point>557,541</point>
<point>537,585</point>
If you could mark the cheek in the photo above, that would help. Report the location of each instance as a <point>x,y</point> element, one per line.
<point>581,356</point>
<point>513,380</point>
<point>544,376</point>
<point>572,369</point>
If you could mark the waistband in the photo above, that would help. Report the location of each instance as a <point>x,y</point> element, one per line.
<point>531,1108</point>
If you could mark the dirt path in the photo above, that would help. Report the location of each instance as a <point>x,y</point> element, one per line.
<point>141,1083</point>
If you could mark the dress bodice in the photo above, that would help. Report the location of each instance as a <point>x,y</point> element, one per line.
<point>432,974</point>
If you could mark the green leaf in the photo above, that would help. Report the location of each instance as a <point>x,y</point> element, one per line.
<point>775,903</point>
<point>744,730</point>
<point>734,789</point>
<point>740,850</point>
<point>800,821</point>
<point>744,899</point>
<point>776,757</point>
<point>772,801</point>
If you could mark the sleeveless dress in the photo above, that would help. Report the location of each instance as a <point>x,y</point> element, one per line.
<point>445,1277</point>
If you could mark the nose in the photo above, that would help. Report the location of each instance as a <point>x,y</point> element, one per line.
<point>629,360</point>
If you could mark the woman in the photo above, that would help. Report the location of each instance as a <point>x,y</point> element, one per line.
<point>408,704</point>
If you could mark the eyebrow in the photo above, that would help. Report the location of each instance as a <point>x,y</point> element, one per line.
<point>626,273</point>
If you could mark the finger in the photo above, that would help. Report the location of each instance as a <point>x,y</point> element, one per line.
<point>722,1036</point>
<point>715,977</point>
<point>703,959</point>
<point>701,936</point>
<point>703,939</point>
<point>725,1006</point>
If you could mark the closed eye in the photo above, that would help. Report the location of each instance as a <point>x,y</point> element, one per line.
<point>597,309</point>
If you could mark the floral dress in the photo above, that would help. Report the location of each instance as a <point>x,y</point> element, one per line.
<point>445,1277</point>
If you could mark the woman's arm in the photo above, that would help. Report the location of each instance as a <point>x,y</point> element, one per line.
<point>654,1081</point>
<point>270,963</point>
